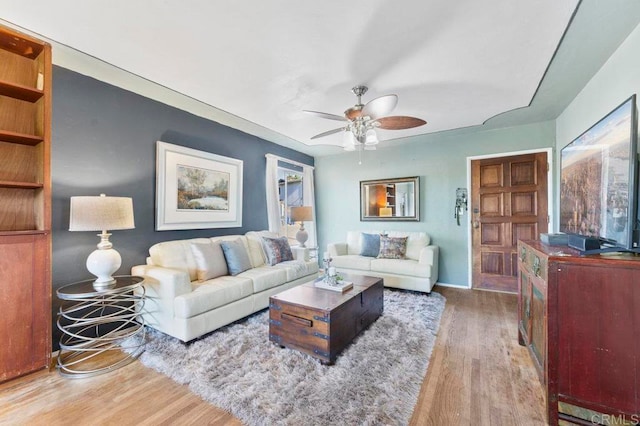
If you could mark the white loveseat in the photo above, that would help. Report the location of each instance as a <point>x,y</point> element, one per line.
<point>418,271</point>
<point>179,305</point>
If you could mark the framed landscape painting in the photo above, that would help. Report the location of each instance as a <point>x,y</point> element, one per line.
<point>196,189</point>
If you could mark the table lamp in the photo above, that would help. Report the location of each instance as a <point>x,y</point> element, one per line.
<point>91,213</point>
<point>385,211</point>
<point>301,214</point>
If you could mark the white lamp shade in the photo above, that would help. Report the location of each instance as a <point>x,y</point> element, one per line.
<point>349,141</point>
<point>371,137</point>
<point>90,213</point>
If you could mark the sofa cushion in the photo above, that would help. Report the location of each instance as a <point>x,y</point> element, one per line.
<point>352,261</point>
<point>236,256</point>
<point>277,250</point>
<point>369,245</point>
<point>401,267</point>
<point>176,254</point>
<point>392,247</point>
<point>416,241</point>
<point>212,294</point>
<point>265,277</point>
<point>353,242</point>
<point>210,261</point>
<point>298,268</point>
<point>255,247</point>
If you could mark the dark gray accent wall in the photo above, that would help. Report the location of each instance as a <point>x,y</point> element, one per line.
<point>104,141</point>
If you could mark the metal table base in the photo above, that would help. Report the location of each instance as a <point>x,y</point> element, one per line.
<point>102,329</point>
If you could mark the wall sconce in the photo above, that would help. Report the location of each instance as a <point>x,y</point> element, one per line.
<point>461,204</point>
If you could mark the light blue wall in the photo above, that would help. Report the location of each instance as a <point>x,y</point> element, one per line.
<point>617,80</point>
<point>441,162</point>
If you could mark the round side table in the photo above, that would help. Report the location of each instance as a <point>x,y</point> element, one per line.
<point>102,329</point>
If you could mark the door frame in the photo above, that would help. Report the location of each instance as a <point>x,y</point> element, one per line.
<point>550,199</point>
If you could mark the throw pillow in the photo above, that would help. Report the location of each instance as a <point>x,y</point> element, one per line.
<point>392,247</point>
<point>236,256</point>
<point>276,250</point>
<point>369,245</point>
<point>210,261</point>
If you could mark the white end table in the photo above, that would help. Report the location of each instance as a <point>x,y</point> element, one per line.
<point>100,321</point>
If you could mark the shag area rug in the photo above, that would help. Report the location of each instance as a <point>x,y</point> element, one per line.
<point>375,381</point>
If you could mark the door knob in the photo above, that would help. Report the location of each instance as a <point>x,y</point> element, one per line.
<point>476,224</point>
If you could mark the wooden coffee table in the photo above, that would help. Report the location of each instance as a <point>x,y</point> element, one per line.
<point>320,322</point>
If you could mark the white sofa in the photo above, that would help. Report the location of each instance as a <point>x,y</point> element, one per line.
<point>179,305</point>
<point>418,271</point>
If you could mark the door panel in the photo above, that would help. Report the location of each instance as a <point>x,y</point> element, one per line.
<point>491,175</point>
<point>524,231</point>
<point>523,173</point>
<point>524,203</point>
<point>491,234</point>
<point>509,203</point>
<point>493,263</point>
<point>492,204</point>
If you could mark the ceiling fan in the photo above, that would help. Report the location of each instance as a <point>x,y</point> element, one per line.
<point>362,120</point>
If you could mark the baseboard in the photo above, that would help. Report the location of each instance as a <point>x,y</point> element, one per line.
<point>462,287</point>
<point>54,360</point>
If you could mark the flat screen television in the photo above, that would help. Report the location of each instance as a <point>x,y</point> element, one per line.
<point>599,181</point>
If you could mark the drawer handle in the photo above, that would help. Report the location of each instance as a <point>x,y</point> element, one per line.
<point>296,320</point>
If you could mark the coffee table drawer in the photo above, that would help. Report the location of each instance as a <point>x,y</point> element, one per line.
<point>306,330</point>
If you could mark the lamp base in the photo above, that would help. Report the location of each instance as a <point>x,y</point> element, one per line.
<point>302,236</point>
<point>103,264</point>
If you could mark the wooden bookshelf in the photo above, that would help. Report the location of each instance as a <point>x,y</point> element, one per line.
<point>25,203</point>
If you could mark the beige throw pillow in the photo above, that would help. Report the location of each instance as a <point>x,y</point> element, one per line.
<point>392,247</point>
<point>210,262</point>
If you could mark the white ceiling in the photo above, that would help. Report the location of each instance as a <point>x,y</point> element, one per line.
<point>453,63</point>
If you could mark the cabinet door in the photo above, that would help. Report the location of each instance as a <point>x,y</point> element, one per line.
<point>25,296</point>
<point>538,335</point>
<point>525,306</point>
<point>599,336</point>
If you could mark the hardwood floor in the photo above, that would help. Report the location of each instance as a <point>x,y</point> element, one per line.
<point>478,375</point>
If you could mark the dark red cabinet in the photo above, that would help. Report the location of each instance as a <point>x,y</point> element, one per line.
<point>591,319</point>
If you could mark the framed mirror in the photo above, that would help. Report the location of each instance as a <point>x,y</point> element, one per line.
<point>395,199</point>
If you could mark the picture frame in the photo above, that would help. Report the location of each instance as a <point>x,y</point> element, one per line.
<point>390,200</point>
<point>196,189</point>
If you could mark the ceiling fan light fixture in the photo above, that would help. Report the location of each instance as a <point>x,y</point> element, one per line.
<point>371,138</point>
<point>363,119</point>
<point>349,141</point>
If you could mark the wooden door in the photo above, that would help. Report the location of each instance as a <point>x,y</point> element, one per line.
<point>508,203</point>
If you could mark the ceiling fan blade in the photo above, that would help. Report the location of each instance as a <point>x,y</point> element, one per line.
<point>326,115</point>
<point>380,107</point>
<point>329,132</point>
<point>399,122</point>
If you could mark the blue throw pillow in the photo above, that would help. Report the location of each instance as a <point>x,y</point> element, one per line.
<point>369,245</point>
<point>236,256</point>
